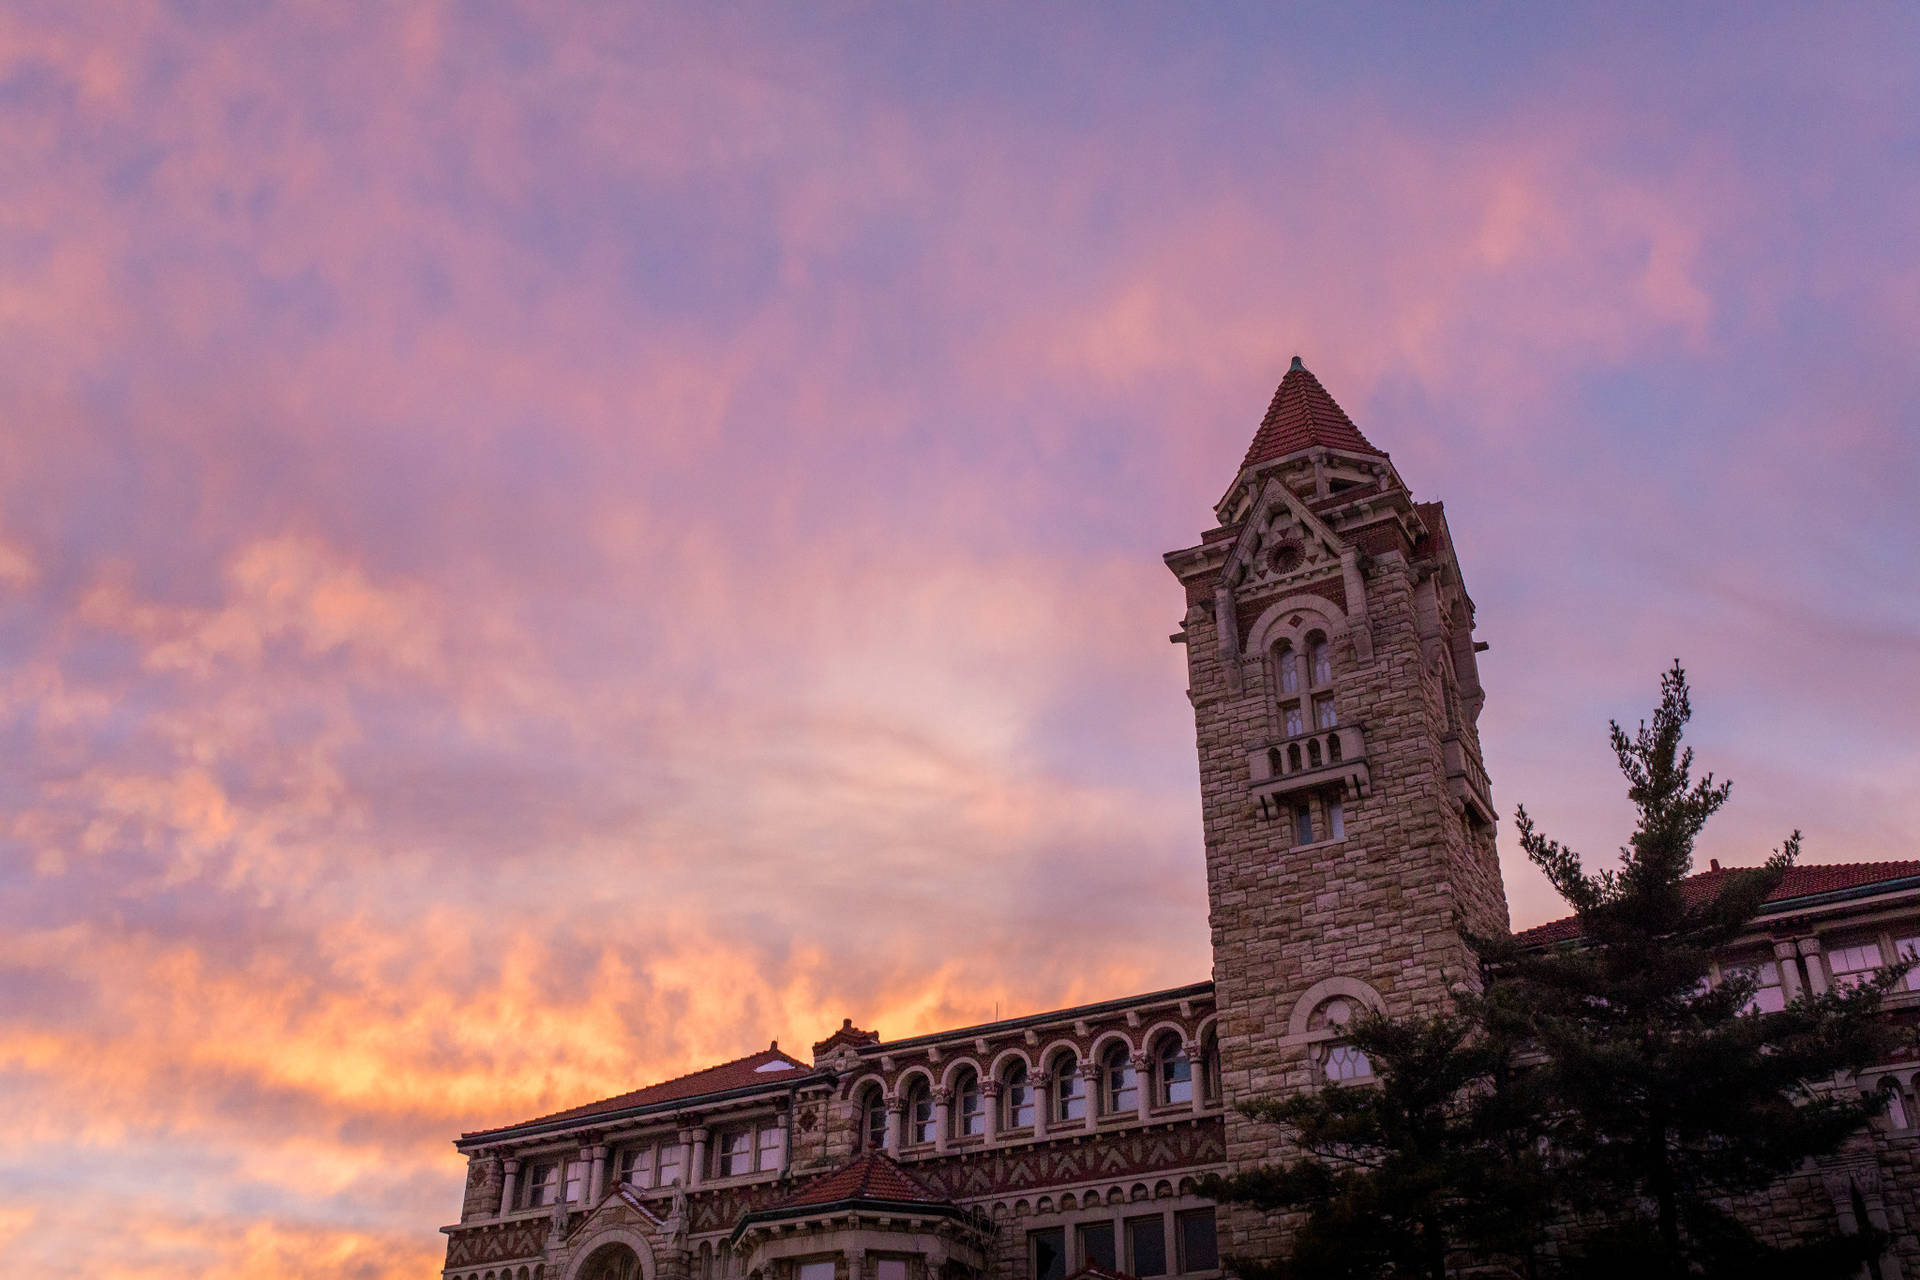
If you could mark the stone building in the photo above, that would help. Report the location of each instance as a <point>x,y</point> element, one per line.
<point>1349,829</point>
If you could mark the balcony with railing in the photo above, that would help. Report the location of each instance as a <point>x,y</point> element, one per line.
<point>1467,779</point>
<point>1308,761</point>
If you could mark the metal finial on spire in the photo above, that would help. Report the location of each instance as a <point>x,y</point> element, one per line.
<point>1297,366</point>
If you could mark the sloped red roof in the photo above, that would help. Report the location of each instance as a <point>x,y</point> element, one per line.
<point>741,1073</point>
<point>873,1176</point>
<point>1799,882</point>
<point>1301,416</point>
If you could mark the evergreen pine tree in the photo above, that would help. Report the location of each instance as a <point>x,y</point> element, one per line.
<point>1669,1098</point>
<point>1411,1173</point>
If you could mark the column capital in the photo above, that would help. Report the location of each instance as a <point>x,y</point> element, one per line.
<point>1783,949</point>
<point>992,1088</point>
<point>942,1096</point>
<point>599,1151</point>
<point>1808,946</point>
<point>896,1104</point>
<point>510,1163</point>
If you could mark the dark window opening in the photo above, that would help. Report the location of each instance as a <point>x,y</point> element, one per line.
<point>1096,1246</point>
<point>1193,1232</point>
<point>1047,1253</point>
<point>1146,1247</point>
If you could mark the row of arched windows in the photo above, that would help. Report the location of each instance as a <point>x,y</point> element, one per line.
<point>1114,1089</point>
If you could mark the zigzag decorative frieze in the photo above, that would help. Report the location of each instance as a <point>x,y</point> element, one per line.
<point>1118,1155</point>
<point>497,1243</point>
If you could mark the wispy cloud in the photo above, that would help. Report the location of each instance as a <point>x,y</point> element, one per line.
<point>538,551</point>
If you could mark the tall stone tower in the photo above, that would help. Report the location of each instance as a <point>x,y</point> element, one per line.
<point>1349,822</point>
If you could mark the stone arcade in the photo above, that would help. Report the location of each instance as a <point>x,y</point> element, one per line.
<point>1349,838</point>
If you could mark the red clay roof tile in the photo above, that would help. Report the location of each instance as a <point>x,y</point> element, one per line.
<point>740,1073</point>
<point>1799,882</point>
<point>873,1176</point>
<point>1301,416</point>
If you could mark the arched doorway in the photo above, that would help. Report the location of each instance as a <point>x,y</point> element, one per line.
<point>612,1262</point>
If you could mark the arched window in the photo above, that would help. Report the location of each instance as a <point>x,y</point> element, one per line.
<point>1895,1106</point>
<point>1172,1072</point>
<point>1320,659</point>
<point>1344,1062</point>
<point>611,1262</point>
<point>873,1118</point>
<point>1120,1084</point>
<point>919,1111</point>
<point>969,1108</point>
<point>1069,1091</point>
<point>1016,1097</point>
<point>1288,665</point>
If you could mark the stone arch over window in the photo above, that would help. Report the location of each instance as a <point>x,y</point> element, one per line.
<point>1897,1107</point>
<point>852,1085</point>
<point>1319,1020</point>
<point>1326,989</point>
<point>1297,635</point>
<point>613,1253</point>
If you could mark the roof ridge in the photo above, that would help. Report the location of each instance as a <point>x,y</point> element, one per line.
<point>610,1102</point>
<point>1565,928</point>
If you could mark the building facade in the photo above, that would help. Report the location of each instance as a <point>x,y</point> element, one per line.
<point>1349,828</point>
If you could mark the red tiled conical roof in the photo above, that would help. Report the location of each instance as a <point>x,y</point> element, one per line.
<point>1301,416</point>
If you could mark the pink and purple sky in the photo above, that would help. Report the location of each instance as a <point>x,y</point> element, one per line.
<point>543,546</point>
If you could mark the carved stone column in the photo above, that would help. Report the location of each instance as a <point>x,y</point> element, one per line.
<point>1816,965</point>
<point>1197,1074</point>
<point>1042,1087</point>
<point>942,1114</point>
<point>597,1174</point>
<point>507,1186</point>
<point>1144,1083</point>
<point>990,1091</point>
<point>694,1142</point>
<point>1090,1086</point>
<point>1786,958</point>
<point>896,1115</point>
